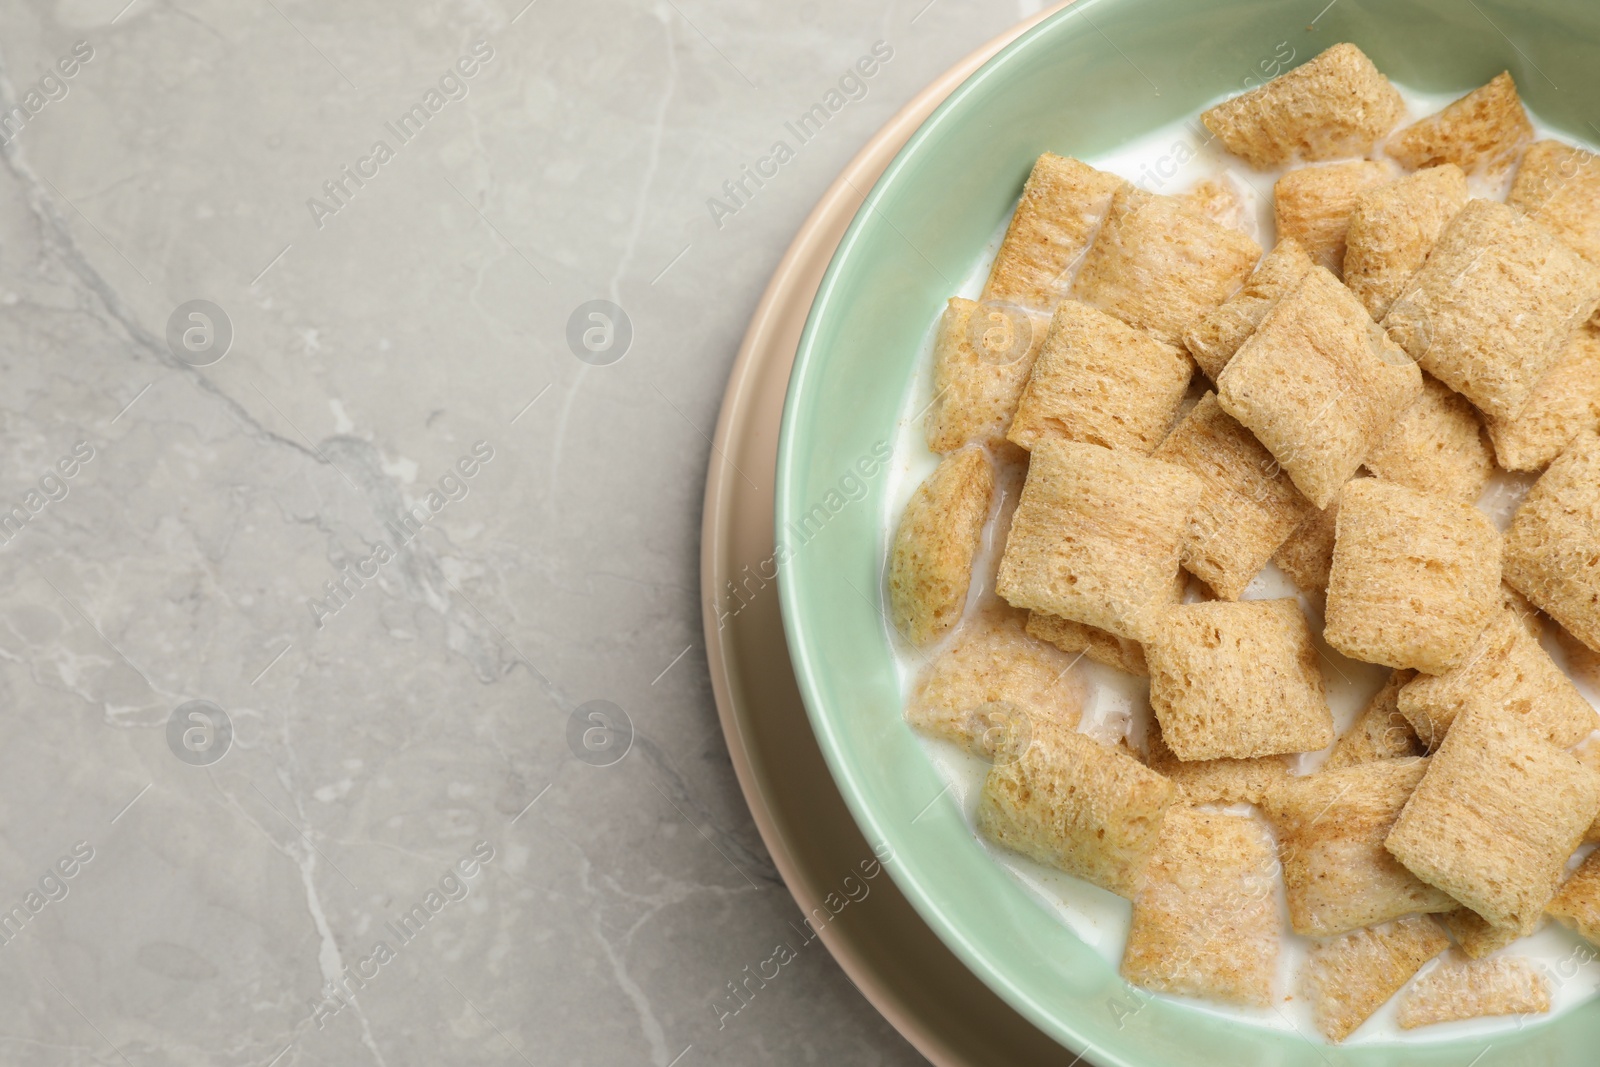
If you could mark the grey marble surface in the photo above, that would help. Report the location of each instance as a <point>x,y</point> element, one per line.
<point>171,521</point>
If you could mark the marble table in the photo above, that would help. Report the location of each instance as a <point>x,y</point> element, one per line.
<point>359,367</point>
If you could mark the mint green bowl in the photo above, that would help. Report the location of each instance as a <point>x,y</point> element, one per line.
<point>1078,84</point>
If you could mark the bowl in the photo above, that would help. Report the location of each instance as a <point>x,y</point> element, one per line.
<point>1083,82</point>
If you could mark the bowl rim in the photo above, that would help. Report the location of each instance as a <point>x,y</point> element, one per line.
<point>752,396</point>
<point>793,621</point>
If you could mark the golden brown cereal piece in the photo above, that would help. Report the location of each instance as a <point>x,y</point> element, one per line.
<point>1307,556</point>
<point>1414,577</point>
<point>1313,206</point>
<point>1159,265</point>
<point>1559,186</point>
<point>1237,680</point>
<point>1331,827</point>
<point>982,356</point>
<point>1380,733</point>
<point>1577,906</point>
<point>1507,672</point>
<point>1589,755</point>
<point>1393,228</point>
<point>1436,446</point>
<point>1564,403</point>
<point>1249,506</point>
<point>1055,221</point>
<point>1485,129</point>
<point>1096,535</point>
<point>1319,384</point>
<point>1553,546</point>
<point>1216,781</point>
<point>1492,308</point>
<point>1099,645</point>
<point>1096,644</point>
<point>930,566</point>
<point>1070,802</point>
<point>1505,985</point>
<point>1217,334</point>
<point>992,660</point>
<point>1206,922</point>
<point>1102,382</point>
<point>1218,200</point>
<point>1476,938</point>
<point>1352,976</point>
<point>1338,104</point>
<point>1496,817</point>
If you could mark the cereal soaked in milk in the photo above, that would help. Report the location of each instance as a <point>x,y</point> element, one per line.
<point>1172,160</point>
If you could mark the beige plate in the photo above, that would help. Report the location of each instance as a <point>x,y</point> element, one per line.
<point>884,946</point>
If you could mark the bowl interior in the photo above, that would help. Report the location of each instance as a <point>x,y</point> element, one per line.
<point>1083,82</point>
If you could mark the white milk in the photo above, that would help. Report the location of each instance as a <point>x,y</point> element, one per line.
<point>1118,704</point>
